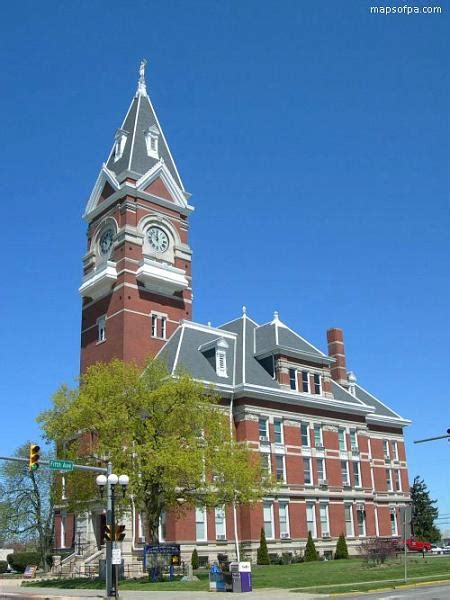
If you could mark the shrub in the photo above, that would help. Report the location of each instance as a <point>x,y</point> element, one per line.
<point>194,559</point>
<point>3,566</point>
<point>310,550</point>
<point>297,558</point>
<point>341,548</point>
<point>275,559</point>
<point>262,555</point>
<point>377,550</point>
<point>19,560</point>
<point>223,561</point>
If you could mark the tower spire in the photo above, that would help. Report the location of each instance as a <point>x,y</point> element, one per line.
<point>142,88</point>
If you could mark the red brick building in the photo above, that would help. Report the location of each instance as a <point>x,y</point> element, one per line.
<point>337,451</point>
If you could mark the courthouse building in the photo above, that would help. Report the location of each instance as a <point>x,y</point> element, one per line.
<point>336,450</point>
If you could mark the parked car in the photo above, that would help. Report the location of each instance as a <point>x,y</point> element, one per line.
<point>437,549</point>
<point>414,545</point>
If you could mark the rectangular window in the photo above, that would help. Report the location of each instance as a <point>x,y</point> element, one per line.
<point>348,510</point>
<point>63,531</point>
<point>324,521</point>
<point>101,329</point>
<point>293,379</point>
<point>394,530</point>
<point>141,528</point>
<point>397,481</point>
<point>283,512</point>
<point>221,363</point>
<point>356,474</point>
<point>311,519</point>
<point>265,465</point>
<point>221,532</point>
<point>263,432</point>
<point>200,524</point>
<point>395,449</point>
<point>268,520</point>
<point>321,475</point>
<point>318,436</point>
<point>386,449</point>
<point>388,480</point>
<point>304,434</point>
<point>353,440</point>
<point>279,462</point>
<point>307,470</point>
<point>361,520</point>
<point>317,384</point>
<point>305,381</point>
<point>344,473</point>
<point>342,442</point>
<point>162,527</point>
<point>278,431</point>
<point>158,326</point>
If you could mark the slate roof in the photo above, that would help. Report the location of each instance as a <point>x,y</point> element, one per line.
<point>192,345</point>
<point>139,118</point>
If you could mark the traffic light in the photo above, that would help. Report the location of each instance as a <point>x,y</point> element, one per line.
<point>33,462</point>
<point>120,533</point>
<point>108,535</point>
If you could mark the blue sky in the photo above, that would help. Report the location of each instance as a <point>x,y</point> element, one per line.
<point>313,137</point>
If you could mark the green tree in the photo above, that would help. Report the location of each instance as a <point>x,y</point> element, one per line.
<point>341,548</point>
<point>310,550</point>
<point>424,512</point>
<point>195,560</point>
<point>170,435</point>
<point>26,504</point>
<point>262,555</point>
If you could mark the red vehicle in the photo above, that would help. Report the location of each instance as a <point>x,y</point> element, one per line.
<point>414,545</point>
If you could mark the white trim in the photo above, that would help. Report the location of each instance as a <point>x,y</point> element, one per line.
<point>203,510</point>
<point>134,131</point>
<point>382,403</point>
<point>177,354</point>
<point>208,329</point>
<point>160,170</point>
<point>244,331</point>
<point>104,176</point>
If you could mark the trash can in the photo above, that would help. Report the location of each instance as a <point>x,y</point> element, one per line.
<point>216,581</point>
<point>241,576</point>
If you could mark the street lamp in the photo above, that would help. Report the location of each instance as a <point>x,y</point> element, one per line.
<point>110,483</point>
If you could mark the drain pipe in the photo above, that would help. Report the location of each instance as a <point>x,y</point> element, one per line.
<point>236,536</point>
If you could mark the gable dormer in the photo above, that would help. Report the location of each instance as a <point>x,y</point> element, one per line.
<point>215,353</point>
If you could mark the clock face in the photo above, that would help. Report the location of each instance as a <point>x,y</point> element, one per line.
<point>106,241</point>
<point>158,239</point>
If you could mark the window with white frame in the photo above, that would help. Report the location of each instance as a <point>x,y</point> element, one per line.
<point>386,449</point>
<point>293,379</point>
<point>304,434</point>
<point>221,363</point>
<point>221,530</point>
<point>268,520</point>
<point>317,384</point>
<point>344,472</point>
<point>341,438</point>
<point>119,144</point>
<point>307,470</point>
<point>200,524</point>
<point>324,519</point>
<point>283,515</point>
<point>151,141</point>
<point>353,439</point>
<point>265,465</point>
<point>263,428</point>
<point>388,480</point>
<point>348,512</point>
<point>394,527</point>
<point>158,326</point>
<point>311,519</point>
<point>63,530</point>
<point>278,431</point>
<point>356,473</point>
<point>305,381</point>
<point>280,467</point>
<point>361,520</point>
<point>141,528</point>
<point>162,528</point>
<point>321,474</point>
<point>397,480</point>
<point>101,329</point>
<point>395,449</point>
<point>318,441</point>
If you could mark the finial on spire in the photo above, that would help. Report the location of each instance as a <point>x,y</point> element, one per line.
<point>244,310</point>
<point>142,88</point>
<point>275,316</point>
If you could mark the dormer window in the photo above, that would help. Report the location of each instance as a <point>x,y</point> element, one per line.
<point>152,141</point>
<point>221,363</point>
<point>215,353</point>
<point>119,146</point>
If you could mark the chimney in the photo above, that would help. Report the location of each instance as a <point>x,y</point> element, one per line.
<point>336,350</point>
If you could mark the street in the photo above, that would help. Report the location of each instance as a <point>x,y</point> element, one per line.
<point>433,592</point>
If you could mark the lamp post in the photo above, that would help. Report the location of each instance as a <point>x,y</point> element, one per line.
<point>110,481</point>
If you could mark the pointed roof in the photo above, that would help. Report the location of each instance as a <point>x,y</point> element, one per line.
<point>140,119</point>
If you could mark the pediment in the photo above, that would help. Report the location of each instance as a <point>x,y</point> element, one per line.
<point>158,188</point>
<point>160,182</point>
<point>104,187</point>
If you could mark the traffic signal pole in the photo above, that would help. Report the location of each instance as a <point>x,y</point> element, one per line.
<point>111,589</point>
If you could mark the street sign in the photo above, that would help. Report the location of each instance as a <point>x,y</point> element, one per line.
<point>116,556</point>
<point>61,465</point>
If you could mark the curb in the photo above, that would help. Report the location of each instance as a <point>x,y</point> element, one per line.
<point>406,586</point>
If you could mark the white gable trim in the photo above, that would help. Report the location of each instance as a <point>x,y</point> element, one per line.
<point>104,176</point>
<point>161,170</point>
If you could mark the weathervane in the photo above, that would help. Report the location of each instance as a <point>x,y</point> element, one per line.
<point>142,89</point>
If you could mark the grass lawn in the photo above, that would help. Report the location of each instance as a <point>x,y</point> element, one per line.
<point>331,576</point>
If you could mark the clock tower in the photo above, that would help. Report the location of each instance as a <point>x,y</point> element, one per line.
<point>136,285</point>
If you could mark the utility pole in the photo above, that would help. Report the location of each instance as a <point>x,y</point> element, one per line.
<point>432,439</point>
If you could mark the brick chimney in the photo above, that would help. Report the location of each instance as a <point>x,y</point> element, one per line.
<point>336,350</point>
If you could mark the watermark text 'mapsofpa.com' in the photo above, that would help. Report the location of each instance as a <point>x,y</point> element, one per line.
<point>406,10</point>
